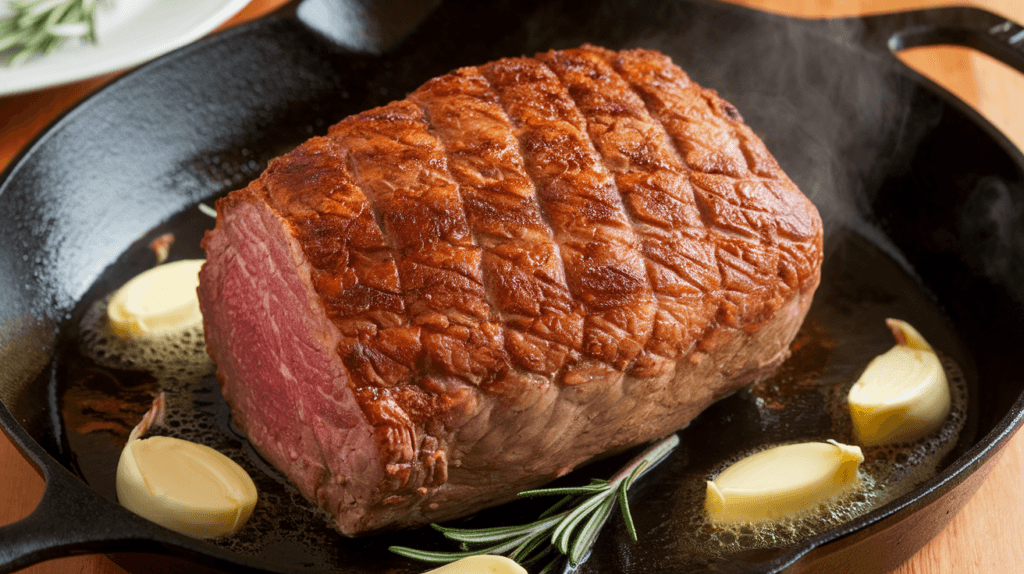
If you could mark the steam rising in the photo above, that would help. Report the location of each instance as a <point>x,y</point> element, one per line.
<point>991,220</point>
<point>816,97</point>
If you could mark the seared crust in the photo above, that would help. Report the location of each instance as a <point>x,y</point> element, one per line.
<point>522,267</point>
<point>653,180</point>
<point>767,235</point>
<point>599,249</point>
<point>519,267</point>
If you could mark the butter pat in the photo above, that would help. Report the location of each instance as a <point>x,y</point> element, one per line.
<point>187,487</point>
<point>782,482</point>
<point>903,394</point>
<point>483,564</point>
<point>160,300</point>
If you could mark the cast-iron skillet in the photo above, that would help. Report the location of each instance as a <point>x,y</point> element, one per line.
<point>922,199</point>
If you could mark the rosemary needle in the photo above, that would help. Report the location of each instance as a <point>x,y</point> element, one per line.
<point>41,26</point>
<point>570,532</point>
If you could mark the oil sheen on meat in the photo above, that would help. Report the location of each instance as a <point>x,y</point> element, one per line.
<point>520,267</point>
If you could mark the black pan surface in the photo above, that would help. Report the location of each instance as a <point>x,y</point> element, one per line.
<point>921,199</point>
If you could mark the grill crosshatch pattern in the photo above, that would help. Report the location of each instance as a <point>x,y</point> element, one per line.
<point>982,538</point>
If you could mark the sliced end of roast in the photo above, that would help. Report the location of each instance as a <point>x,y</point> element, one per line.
<point>277,360</point>
<point>519,268</point>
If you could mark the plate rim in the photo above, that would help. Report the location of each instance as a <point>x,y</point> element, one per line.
<point>26,79</point>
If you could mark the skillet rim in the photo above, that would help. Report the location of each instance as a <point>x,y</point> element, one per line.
<point>973,458</point>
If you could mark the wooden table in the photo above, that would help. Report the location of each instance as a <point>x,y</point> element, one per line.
<point>987,536</point>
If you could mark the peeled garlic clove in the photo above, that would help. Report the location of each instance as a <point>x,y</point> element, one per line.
<point>903,394</point>
<point>483,564</point>
<point>783,481</point>
<point>159,300</point>
<point>187,487</point>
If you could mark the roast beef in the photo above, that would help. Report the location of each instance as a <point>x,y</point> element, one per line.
<point>519,267</point>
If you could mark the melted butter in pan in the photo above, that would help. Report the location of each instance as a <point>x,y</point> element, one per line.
<point>103,389</point>
<point>887,472</point>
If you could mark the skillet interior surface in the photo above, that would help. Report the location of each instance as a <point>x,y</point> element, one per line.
<point>921,204</point>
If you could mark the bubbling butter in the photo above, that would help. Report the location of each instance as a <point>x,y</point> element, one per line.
<point>154,323</point>
<point>187,487</point>
<point>887,473</point>
<point>782,482</point>
<point>483,564</point>
<point>160,300</point>
<point>903,394</point>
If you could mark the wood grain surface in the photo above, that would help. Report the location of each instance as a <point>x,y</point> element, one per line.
<point>987,536</point>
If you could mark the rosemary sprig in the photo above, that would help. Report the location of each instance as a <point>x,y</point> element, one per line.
<point>41,26</point>
<point>570,532</point>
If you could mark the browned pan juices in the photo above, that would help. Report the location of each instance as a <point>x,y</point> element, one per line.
<point>805,400</point>
<point>105,386</point>
<point>888,471</point>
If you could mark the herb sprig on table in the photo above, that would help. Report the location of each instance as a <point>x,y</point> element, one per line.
<point>41,26</point>
<point>569,528</point>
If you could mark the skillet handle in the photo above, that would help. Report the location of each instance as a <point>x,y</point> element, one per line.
<point>70,519</point>
<point>369,26</point>
<point>970,27</point>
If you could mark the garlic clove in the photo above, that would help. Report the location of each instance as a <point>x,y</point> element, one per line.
<point>187,487</point>
<point>903,394</point>
<point>483,564</point>
<point>782,482</point>
<point>159,300</point>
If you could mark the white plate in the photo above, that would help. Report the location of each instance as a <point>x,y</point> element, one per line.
<point>128,33</point>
